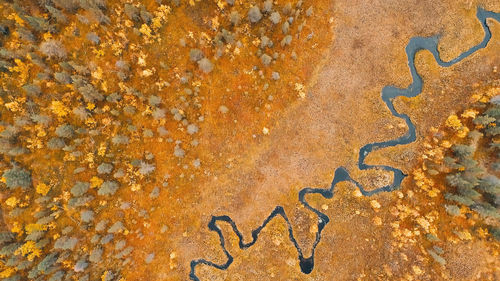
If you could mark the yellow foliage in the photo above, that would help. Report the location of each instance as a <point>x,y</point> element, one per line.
<point>105,275</point>
<point>485,97</point>
<point>102,149</point>
<point>95,182</point>
<point>135,187</point>
<point>215,22</point>
<point>59,109</point>
<point>221,4</point>
<point>23,70</point>
<point>141,60</point>
<point>469,113</point>
<point>464,235</point>
<point>97,74</point>
<point>13,106</point>
<point>40,131</point>
<point>16,17</point>
<point>90,122</point>
<point>7,272</point>
<point>433,192</point>
<point>24,204</point>
<point>453,122</point>
<point>12,201</point>
<point>145,30</point>
<point>69,157</point>
<point>47,35</point>
<point>66,195</point>
<point>52,225</point>
<point>42,189</point>
<point>425,183</point>
<point>30,250</point>
<point>156,23</point>
<point>147,73</point>
<point>419,177</point>
<point>32,227</point>
<point>98,53</point>
<point>462,132</point>
<point>476,97</point>
<point>483,232</point>
<point>446,144</point>
<point>423,222</point>
<point>104,86</point>
<point>16,228</point>
<point>491,93</point>
<point>163,11</point>
<point>300,89</point>
<point>129,23</point>
<point>89,157</point>
<point>68,264</point>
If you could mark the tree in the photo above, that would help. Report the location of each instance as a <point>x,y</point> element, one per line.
<point>46,264</point>
<point>195,55</point>
<point>108,188</point>
<point>65,243</point>
<point>254,14</point>
<point>53,49</point>
<point>234,18</point>
<point>486,210</point>
<point>132,12</point>
<point>462,150</point>
<point>10,249</point>
<point>6,237</point>
<point>17,177</point>
<point>56,14</point>
<point>116,227</point>
<point>468,192</point>
<point>65,131</point>
<point>483,120</point>
<point>80,265</point>
<point>490,184</point>
<point>104,168</point>
<point>267,6</point>
<point>120,139</point>
<point>493,131</point>
<point>32,90</point>
<point>96,255</point>
<point>55,143</point>
<point>453,210</point>
<point>275,17</point>
<point>87,216</point>
<point>460,199</point>
<point>493,112</point>
<point>205,65</point>
<point>79,188</point>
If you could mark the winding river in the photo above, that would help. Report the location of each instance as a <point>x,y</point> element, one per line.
<point>389,93</point>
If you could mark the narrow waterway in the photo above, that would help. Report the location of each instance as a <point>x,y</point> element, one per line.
<point>389,93</point>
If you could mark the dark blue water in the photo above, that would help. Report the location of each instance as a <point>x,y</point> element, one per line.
<point>389,93</point>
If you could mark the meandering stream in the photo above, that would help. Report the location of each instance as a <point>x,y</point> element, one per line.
<point>389,93</point>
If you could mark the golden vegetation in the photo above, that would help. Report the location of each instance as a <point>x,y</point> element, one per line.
<point>103,105</point>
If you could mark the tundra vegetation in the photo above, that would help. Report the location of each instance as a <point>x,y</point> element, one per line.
<point>458,181</point>
<point>102,106</point>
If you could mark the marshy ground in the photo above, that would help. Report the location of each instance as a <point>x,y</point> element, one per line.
<point>125,125</point>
